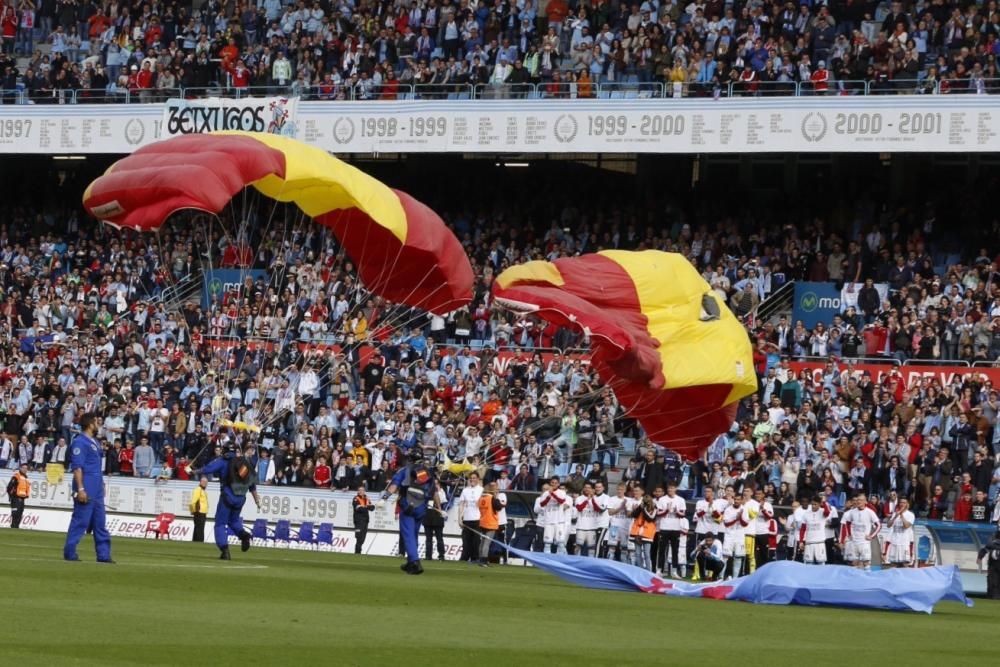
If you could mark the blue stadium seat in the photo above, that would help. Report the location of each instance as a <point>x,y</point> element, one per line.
<point>325,534</point>
<point>259,530</point>
<point>306,534</point>
<point>283,532</point>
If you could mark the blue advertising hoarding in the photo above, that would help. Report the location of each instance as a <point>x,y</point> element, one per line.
<point>815,302</point>
<point>218,281</point>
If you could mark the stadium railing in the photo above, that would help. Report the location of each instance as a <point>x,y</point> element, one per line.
<point>609,90</point>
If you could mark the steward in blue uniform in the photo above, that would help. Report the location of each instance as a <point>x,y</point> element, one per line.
<point>238,475</point>
<point>88,493</point>
<point>415,485</point>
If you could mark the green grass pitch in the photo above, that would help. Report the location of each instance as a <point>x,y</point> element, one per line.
<point>168,603</point>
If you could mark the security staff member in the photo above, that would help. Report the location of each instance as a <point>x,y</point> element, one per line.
<point>88,493</point>
<point>199,509</point>
<point>415,484</point>
<point>991,554</point>
<point>238,474</point>
<point>363,508</point>
<point>19,488</point>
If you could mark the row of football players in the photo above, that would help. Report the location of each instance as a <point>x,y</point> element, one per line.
<point>653,531</point>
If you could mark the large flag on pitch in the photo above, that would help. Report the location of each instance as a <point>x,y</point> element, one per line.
<point>780,582</point>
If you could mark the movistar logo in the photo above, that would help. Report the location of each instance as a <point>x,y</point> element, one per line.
<point>809,302</point>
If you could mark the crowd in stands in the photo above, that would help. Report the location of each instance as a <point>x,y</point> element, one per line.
<point>366,49</point>
<point>340,384</point>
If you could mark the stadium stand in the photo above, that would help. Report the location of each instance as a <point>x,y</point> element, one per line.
<point>90,51</point>
<point>341,383</point>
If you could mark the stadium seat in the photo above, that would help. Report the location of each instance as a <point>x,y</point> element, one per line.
<point>325,535</point>
<point>259,531</point>
<point>306,535</point>
<point>160,525</point>
<point>283,532</point>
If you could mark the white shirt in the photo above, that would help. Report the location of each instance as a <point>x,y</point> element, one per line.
<point>863,524</point>
<point>502,514</point>
<point>590,510</point>
<point>719,506</point>
<point>898,532</point>
<point>703,517</point>
<point>815,522</point>
<point>556,506</point>
<point>669,512</point>
<point>830,533</point>
<point>735,522</point>
<point>158,420</point>
<point>764,516</point>
<point>469,501</point>
<point>539,513</point>
<point>603,518</point>
<point>615,514</point>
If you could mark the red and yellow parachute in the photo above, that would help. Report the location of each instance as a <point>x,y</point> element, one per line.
<point>677,359</point>
<point>403,250</point>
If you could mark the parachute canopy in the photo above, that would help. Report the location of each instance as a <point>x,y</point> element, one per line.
<point>677,359</point>
<point>403,250</point>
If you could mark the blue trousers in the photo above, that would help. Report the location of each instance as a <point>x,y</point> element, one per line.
<point>409,530</point>
<point>226,517</point>
<point>88,517</point>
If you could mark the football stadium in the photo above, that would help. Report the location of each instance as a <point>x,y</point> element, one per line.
<point>550,331</point>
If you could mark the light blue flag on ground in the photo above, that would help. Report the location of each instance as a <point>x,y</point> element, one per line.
<point>779,582</point>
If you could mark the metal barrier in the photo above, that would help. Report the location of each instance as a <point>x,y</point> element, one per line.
<point>631,89</point>
<point>762,88</point>
<point>937,362</point>
<point>851,361</point>
<point>12,96</point>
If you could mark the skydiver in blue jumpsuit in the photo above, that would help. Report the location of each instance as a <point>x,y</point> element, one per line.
<point>238,475</point>
<point>88,493</point>
<point>415,484</point>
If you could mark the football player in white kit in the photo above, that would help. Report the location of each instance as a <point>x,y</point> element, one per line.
<point>792,523</point>
<point>812,532</point>
<point>858,528</point>
<point>762,528</point>
<point>899,549</point>
<point>619,514</point>
<point>703,523</point>
<point>603,521</point>
<point>682,563</point>
<point>589,509</point>
<point>555,506</point>
<point>734,547</point>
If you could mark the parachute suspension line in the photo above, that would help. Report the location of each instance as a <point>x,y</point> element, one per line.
<point>244,239</point>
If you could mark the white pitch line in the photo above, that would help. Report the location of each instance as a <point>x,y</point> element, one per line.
<point>179,565</point>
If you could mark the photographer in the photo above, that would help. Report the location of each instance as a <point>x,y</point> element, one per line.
<point>708,555</point>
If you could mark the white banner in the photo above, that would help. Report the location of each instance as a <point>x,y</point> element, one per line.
<point>273,115</point>
<point>849,294</point>
<point>127,495</point>
<point>376,544</point>
<point>903,123</point>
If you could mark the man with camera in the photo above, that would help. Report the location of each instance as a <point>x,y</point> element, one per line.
<point>708,555</point>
